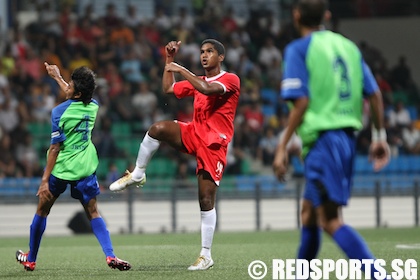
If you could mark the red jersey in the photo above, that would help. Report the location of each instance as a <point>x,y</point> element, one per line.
<point>213,114</point>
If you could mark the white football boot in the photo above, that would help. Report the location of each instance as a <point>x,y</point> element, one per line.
<point>126,181</point>
<point>202,263</point>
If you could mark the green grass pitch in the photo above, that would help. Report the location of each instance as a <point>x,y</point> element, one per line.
<point>167,256</point>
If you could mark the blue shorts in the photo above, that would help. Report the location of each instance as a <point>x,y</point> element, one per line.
<point>329,168</point>
<point>84,189</point>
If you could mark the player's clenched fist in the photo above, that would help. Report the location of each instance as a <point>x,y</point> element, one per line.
<point>172,48</point>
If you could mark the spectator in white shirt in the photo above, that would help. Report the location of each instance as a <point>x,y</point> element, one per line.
<point>411,139</point>
<point>162,20</point>
<point>132,19</point>
<point>184,19</point>
<point>268,53</point>
<point>399,116</point>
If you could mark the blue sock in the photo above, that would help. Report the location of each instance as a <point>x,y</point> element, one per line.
<point>310,240</point>
<point>102,234</point>
<point>35,236</point>
<point>353,245</point>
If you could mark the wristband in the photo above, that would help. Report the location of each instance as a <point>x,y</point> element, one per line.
<point>378,135</point>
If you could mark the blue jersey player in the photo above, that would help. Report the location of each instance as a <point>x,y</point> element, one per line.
<point>326,79</point>
<point>71,162</point>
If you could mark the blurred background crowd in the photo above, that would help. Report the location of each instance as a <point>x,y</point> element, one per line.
<point>125,49</point>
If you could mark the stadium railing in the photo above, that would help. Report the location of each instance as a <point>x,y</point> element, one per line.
<point>398,178</point>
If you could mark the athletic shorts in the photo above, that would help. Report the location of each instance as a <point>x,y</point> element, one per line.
<point>329,168</point>
<point>209,158</point>
<point>84,189</point>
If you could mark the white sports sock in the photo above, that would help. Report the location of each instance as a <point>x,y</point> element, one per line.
<point>147,149</point>
<point>208,226</point>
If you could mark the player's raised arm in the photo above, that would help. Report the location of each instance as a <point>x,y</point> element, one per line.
<point>198,83</point>
<point>168,78</point>
<point>54,73</point>
<point>212,55</point>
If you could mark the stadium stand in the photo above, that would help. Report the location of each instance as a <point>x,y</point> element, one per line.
<point>128,130</point>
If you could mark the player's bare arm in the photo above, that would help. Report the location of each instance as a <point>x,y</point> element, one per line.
<point>54,73</point>
<point>43,191</point>
<point>281,160</point>
<point>379,152</point>
<point>198,83</point>
<point>168,79</point>
<point>376,104</point>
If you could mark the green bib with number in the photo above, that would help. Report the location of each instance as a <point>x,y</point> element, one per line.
<point>335,86</point>
<point>78,157</point>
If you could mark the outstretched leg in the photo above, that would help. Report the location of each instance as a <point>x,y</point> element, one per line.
<point>164,131</point>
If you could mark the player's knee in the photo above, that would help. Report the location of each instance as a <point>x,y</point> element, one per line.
<point>308,214</point>
<point>330,227</point>
<point>153,130</point>
<point>43,212</point>
<point>156,130</point>
<point>206,203</point>
<point>307,218</point>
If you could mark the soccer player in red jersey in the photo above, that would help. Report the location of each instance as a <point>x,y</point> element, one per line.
<point>206,137</point>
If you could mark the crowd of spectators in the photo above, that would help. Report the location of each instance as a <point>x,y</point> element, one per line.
<point>126,52</point>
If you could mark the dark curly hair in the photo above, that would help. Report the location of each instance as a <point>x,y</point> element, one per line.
<point>84,80</point>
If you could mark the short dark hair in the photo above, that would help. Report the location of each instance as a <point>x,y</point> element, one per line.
<point>216,44</point>
<point>311,11</point>
<point>84,82</point>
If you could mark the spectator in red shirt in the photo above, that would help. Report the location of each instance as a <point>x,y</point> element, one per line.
<point>229,23</point>
<point>254,116</point>
<point>385,88</point>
